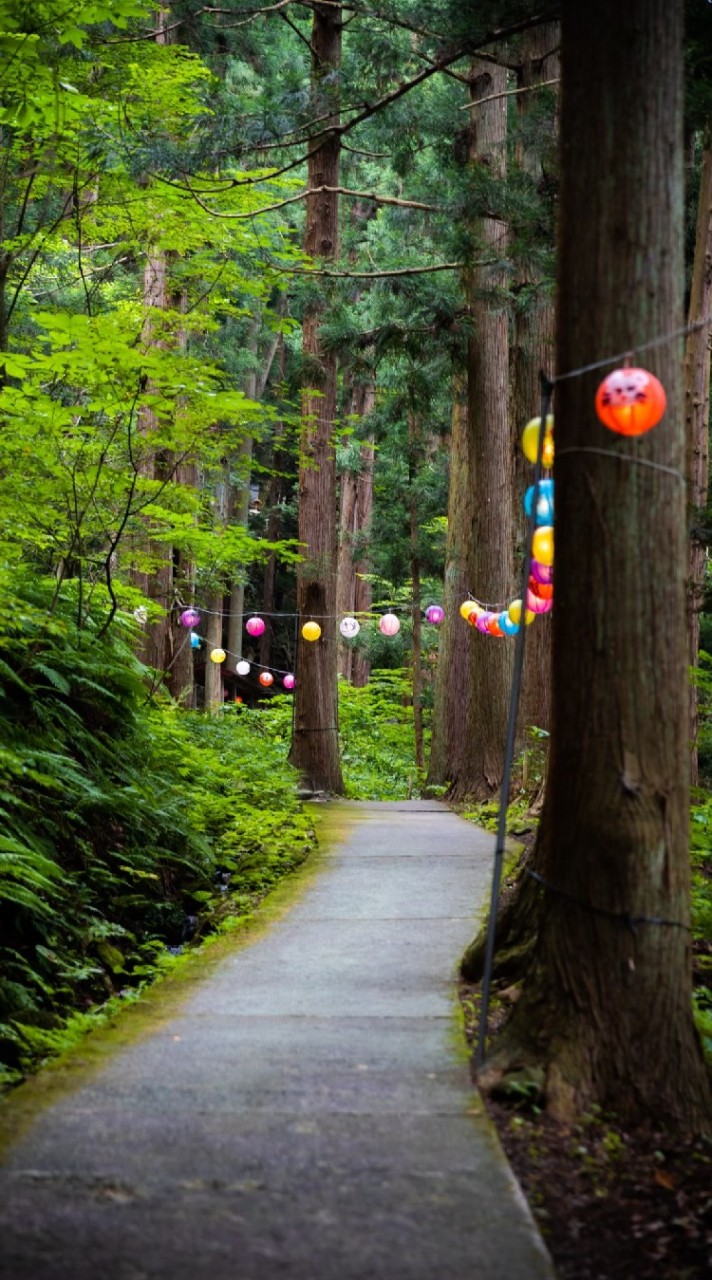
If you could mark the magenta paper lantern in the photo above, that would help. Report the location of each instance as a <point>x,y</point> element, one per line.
<point>389,625</point>
<point>483,622</point>
<point>190,617</point>
<point>254,626</point>
<point>435,614</point>
<point>289,681</point>
<point>542,572</point>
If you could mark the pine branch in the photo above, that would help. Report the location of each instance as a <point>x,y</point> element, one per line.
<point>509,93</point>
<point>312,191</point>
<point>375,275</point>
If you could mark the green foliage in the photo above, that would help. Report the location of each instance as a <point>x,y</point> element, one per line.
<point>127,827</point>
<point>376,727</point>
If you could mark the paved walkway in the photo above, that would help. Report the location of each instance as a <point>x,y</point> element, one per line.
<point>307,1114</point>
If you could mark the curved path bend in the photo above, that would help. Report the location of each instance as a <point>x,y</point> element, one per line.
<point>307,1113</point>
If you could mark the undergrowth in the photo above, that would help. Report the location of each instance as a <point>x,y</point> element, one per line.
<point>128,828</point>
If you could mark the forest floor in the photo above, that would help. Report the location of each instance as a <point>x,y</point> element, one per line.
<point>611,1203</point>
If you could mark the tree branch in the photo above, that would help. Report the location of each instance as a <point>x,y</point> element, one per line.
<point>509,93</point>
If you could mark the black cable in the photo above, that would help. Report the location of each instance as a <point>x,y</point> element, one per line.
<point>547,388</point>
<point>624,916</point>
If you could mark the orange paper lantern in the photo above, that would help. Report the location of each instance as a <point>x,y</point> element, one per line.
<point>630,401</point>
<point>266,678</point>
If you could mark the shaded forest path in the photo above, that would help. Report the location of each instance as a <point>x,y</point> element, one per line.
<point>306,1114</point>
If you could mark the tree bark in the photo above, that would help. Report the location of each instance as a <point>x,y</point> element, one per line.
<point>697,412</point>
<point>605,1012</point>
<point>479,770</point>
<point>453,677</point>
<point>355,507</point>
<point>315,743</point>
<point>533,345</point>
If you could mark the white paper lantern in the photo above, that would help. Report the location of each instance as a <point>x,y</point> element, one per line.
<point>243,668</point>
<point>349,627</point>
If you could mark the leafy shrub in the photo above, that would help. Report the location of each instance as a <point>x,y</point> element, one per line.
<point>126,827</point>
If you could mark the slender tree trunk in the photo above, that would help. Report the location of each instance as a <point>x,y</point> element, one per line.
<point>213,640</point>
<point>605,1014</point>
<point>533,346</point>
<point>479,774</point>
<point>414,433</point>
<point>354,522</point>
<point>697,412</point>
<point>315,744</point>
<point>363,599</point>
<point>456,644</point>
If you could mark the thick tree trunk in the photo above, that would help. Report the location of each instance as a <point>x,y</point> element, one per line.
<point>605,1014</point>
<point>533,345</point>
<point>697,412</point>
<point>479,774</point>
<point>315,744</point>
<point>455,645</point>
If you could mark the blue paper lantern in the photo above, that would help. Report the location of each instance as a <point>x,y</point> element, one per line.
<point>545,501</point>
<point>194,640</point>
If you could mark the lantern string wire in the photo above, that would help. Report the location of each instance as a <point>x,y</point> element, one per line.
<point>682,332</point>
<point>624,916</point>
<point>624,457</point>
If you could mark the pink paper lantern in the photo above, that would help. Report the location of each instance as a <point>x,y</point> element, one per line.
<point>289,681</point>
<point>254,626</point>
<point>389,625</point>
<point>483,622</point>
<point>535,604</point>
<point>190,617</point>
<point>435,614</point>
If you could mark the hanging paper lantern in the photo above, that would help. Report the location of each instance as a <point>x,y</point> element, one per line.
<point>190,617</point>
<point>389,625</point>
<point>349,627</point>
<point>545,501</point>
<point>483,621</point>
<point>467,608</point>
<point>544,590</point>
<point>541,572</point>
<point>311,630</point>
<point>543,545</point>
<point>254,626</point>
<point>493,627</point>
<point>434,614</point>
<point>266,678</point>
<point>507,627</point>
<point>141,614</point>
<point>289,681</point>
<point>536,604</point>
<point>530,441</point>
<point>474,614</point>
<point>243,668</point>
<point>194,640</point>
<point>217,655</point>
<point>630,401</point>
<point>515,613</point>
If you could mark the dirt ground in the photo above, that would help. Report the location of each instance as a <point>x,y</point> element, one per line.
<point>611,1204</point>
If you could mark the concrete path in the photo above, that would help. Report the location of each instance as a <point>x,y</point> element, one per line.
<point>307,1114</point>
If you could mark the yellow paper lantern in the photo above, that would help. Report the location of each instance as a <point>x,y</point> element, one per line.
<point>217,655</point>
<point>467,607</point>
<point>530,441</point>
<point>543,545</point>
<point>311,630</point>
<point>515,613</point>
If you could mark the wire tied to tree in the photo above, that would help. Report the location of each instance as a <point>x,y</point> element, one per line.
<point>625,917</point>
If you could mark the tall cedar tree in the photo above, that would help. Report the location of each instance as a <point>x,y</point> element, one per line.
<point>478,771</point>
<point>315,745</point>
<point>605,1011</point>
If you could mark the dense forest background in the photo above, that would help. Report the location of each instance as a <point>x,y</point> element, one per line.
<point>276,286</point>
